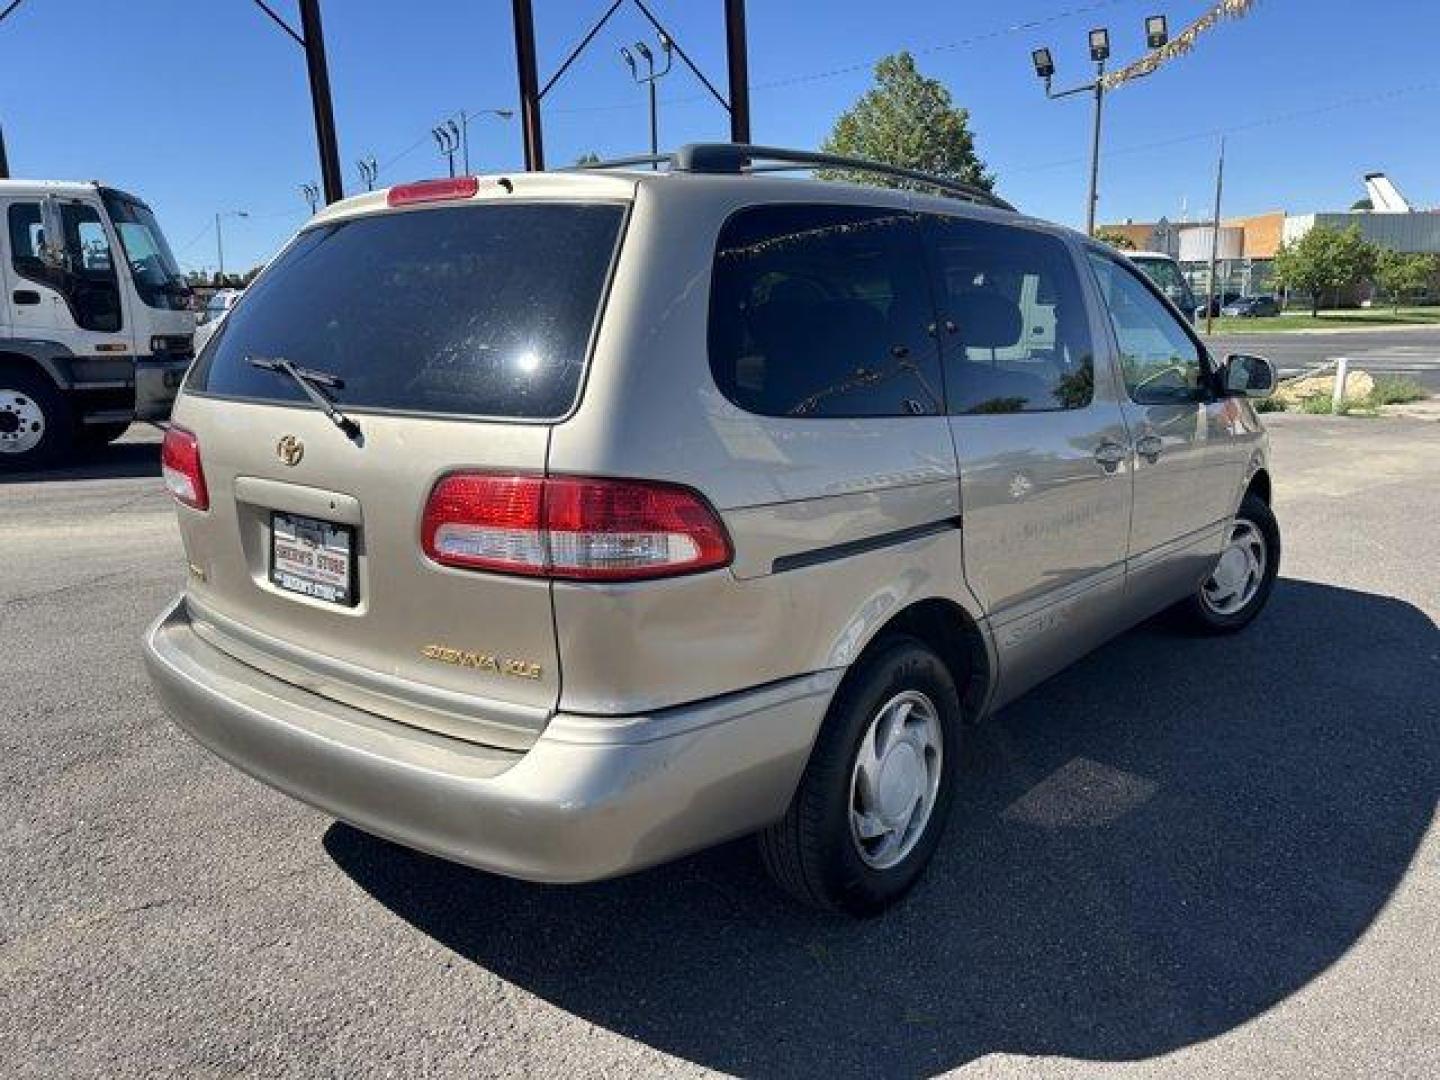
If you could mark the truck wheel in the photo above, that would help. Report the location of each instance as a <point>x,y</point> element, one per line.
<point>36,423</point>
<point>1244,575</point>
<point>871,806</point>
<point>94,436</point>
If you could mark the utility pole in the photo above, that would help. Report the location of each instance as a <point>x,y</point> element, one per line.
<point>464,117</point>
<point>447,138</point>
<point>1215,238</point>
<point>738,68</point>
<point>5,161</point>
<point>529,74</point>
<point>311,194</point>
<point>311,38</point>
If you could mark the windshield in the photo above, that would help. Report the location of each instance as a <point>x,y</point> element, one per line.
<point>153,268</point>
<point>1168,279</point>
<point>474,310</point>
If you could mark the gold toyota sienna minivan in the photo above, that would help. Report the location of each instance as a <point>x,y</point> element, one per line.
<point>564,523</point>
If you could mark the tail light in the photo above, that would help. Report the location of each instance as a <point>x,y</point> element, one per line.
<point>180,466</point>
<point>572,527</point>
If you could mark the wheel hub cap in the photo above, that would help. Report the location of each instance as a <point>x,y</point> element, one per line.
<point>1239,572</point>
<point>895,779</point>
<point>22,423</point>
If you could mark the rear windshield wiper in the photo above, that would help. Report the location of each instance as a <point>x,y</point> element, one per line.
<point>308,379</point>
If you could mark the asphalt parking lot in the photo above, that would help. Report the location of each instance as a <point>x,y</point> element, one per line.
<point>1182,857</point>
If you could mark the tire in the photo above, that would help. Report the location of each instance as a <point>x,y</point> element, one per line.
<point>94,436</point>
<point>37,426</point>
<point>815,852</point>
<point>1213,608</point>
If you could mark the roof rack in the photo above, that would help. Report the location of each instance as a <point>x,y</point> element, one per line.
<point>735,158</point>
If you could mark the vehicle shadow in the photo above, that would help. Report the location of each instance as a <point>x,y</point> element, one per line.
<point>1151,849</point>
<point>118,461</point>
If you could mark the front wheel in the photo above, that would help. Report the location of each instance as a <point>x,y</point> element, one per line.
<point>36,423</point>
<point>871,806</point>
<point>1244,575</point>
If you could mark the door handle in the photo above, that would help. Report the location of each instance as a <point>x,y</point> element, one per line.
<point>1109,455</point>
<point>25,296</point>
<point>1149,447</point>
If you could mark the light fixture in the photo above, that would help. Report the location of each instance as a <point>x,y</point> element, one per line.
<point>644,50</point>
<point>1157,32</point>
<point>629,59</point>
<point>1044,64</point>
<point>1099,45</point>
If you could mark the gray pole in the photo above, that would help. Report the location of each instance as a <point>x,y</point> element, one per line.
<point>465,139</point>
<point>219,249</point>
<point>654,121</point>
<point>1215,238</point>
<point>1095,150</point>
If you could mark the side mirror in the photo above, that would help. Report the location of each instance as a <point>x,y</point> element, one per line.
<point>52,243</point>
<point>1249,376</point>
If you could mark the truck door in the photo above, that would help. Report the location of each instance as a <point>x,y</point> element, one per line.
<point>62,276</point>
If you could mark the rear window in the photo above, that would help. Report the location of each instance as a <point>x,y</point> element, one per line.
<point>475,310</point>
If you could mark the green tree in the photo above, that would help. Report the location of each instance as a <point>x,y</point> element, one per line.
<point>1325,258</point>
<point>1400,274</point>
<point>590,157</point>
<point>909,120</point>
<point>1115,239</point>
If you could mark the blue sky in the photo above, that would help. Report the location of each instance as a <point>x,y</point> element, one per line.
<point>202,105</point>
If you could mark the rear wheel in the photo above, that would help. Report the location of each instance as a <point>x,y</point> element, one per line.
<point>1244,575</point>
<point>36,424</point>
<point>871,806</point>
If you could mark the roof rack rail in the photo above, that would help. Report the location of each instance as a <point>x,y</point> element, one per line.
<point>719,158</point>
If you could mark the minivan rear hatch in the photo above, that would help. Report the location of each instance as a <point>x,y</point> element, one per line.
<point>452,335</point>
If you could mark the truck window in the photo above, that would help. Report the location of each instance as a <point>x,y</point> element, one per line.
<point>821,311</point>
<point>153,268</point>
<point>86,280</point>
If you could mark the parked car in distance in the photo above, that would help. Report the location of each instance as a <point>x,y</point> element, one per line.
<point>216,308</point>
<point>1251,307</point>
<point>561,524</point>
<point>1216,304</point>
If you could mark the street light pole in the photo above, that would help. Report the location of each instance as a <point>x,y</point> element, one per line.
<point>464,117</point>
<point>220,239</point>
<point>1095,150</point>
<point>649,80</point>
<point>1156,35</point>
<point>1215,239</point>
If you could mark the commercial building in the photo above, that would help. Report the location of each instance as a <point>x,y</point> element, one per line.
<point>1246,246</point>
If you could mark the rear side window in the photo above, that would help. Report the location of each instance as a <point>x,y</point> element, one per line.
<point>1017,336</point>
<point>475,310</point>
<point>822,311</point>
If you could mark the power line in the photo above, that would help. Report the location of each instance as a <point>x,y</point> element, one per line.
<point>1264,121</point>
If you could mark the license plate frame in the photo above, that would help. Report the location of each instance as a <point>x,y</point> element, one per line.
<point>302,552</point>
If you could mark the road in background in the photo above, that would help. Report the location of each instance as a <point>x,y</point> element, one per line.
<point>1183,857</point>
<point>1413,353</point>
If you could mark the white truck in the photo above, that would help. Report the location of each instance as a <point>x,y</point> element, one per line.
<point>96,320</point>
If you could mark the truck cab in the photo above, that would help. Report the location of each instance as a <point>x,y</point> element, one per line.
<point>1165,272</point>
<point>96,320</point>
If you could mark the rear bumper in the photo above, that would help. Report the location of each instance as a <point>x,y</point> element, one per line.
<point>593,798</point>
<point>157,381</point>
